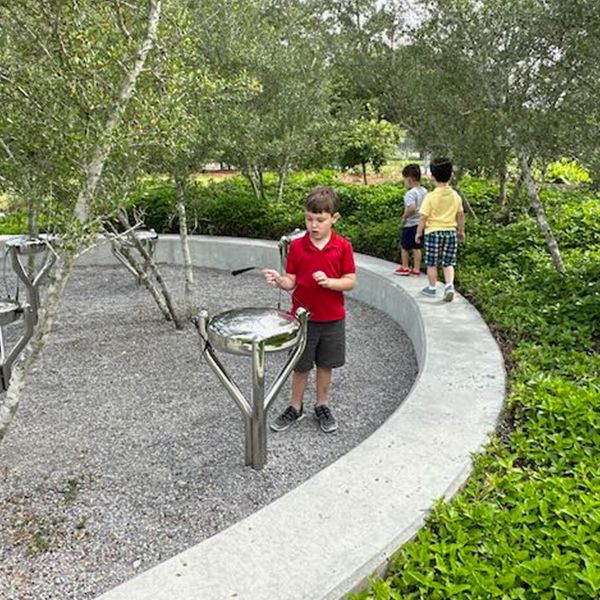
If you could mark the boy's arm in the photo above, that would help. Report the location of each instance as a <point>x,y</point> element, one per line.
<point>421,227</point>
<point>408,210</point>
<point>285,282</point>
<point>460,220</point>
<point>341,284</point>
<point>409,207</point>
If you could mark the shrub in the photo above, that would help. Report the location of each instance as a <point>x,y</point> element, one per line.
<point>569,171</point>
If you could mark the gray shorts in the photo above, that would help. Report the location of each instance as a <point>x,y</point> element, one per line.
<point>325,346</point>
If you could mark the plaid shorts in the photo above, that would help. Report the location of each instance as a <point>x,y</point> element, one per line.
<point>440,247</point>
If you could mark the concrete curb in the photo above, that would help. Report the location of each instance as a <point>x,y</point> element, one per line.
<point>325,537</point>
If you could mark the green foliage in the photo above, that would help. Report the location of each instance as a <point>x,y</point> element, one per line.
<point>526,525</point>
<point>13,222</point>
<point>367,141</point>
<point>226,207</point>
<point>567,170</point>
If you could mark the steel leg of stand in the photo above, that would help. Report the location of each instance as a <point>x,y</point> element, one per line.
<point>234,391</point>
<point>259,424</point>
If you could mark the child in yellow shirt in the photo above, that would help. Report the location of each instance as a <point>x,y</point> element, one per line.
<point>443,220</point>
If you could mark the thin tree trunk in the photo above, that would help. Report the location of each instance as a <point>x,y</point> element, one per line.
<point>364,172</point>
<point>144,279</point>
<point>33,229</point>
<point>22,366</point>
<point>281,183</point>
<point>103,147</point>
<point>185,247</point>
<point>503,180</point>
<point>457,179</point>
<point>164,290</point>
<point>261,183</point>
<point>248,175</point>
<point>540,213</point>
<point>508,205</point>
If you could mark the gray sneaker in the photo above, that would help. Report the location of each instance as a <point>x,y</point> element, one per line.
<point>428,291</point>
<point>326,420</point>
<point>287,418</point>
<point>449,293</point>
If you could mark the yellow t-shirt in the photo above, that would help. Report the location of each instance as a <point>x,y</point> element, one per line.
<point>441,207</point>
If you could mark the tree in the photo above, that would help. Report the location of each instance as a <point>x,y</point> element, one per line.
<point>367,141</point>
<point>69,70</point>
<point>276,121</point>
<point>499,82</point>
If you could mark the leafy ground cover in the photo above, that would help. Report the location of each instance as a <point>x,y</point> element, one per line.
<point>526,525</point>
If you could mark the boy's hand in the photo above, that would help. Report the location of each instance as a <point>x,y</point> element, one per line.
<point>417,238</point>
<point>272,277</point>
<point>321,278</point>
<point>461,237</point>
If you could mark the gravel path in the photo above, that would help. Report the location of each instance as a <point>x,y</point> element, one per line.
<point>126,450</point>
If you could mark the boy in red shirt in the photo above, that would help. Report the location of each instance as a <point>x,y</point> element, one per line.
<point>320,267</point>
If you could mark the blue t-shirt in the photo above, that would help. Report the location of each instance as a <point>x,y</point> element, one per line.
<point>414,197</point>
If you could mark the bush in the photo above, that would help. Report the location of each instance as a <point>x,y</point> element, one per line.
<point>569,171</point>
<point>526,524</point>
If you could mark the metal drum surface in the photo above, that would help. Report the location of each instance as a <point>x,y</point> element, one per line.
<point>146,235</point>
<point>25,245</point>
<point>233,331</point>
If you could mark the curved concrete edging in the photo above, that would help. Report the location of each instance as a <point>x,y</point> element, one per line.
<point>322,539</point>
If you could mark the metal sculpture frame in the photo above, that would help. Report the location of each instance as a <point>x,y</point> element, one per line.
<point>9,313</point>
<point>22,246</point>
<point>254,412</point>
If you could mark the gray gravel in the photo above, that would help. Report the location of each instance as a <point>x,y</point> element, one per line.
<point>126,450</point>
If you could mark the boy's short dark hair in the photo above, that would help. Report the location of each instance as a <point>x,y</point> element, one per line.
<point>441,169</point>
<point>322,199</point>
<point>413,170</point>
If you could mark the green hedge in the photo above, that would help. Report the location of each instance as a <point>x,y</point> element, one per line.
<point>229,207</point>
<point>527,523</point>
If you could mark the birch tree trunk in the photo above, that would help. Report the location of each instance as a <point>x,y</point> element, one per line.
<point>143,278</point>
<point>502,180</point>
<point>64,265</point>
<point>185,247</point>
<point>281,183</point>
<point>540,213</point>
<point>261,183</point>
<point>103,147</point>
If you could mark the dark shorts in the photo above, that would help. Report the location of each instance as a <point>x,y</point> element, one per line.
<point>440,248</point>
<point>408,238</point>
<point>325,346</point>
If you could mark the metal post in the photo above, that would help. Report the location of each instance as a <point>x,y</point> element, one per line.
<point>254,342</point>
<point>8,360</point>
<point>228,383</point>
<point>32,283</point>
<point>259,424</point>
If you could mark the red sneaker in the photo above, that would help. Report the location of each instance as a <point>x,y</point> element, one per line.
<point>402,271</point>
<point>415,272</point>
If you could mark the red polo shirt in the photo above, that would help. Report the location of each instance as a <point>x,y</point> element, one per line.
<point>335,259</point>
